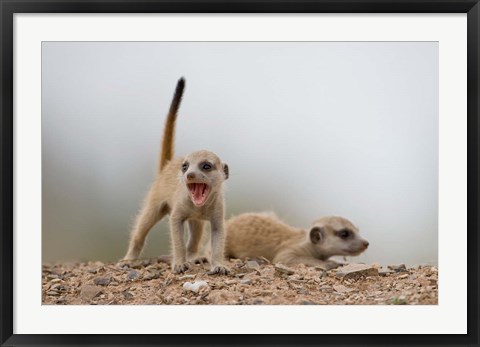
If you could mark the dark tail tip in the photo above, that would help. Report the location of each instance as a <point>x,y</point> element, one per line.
<point>181,82</point>
<point>177,98</point>
<point>180,86</point>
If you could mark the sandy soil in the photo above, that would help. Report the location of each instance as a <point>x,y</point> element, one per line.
<point>252,282</point>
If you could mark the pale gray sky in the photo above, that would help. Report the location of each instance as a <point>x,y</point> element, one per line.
<point>308,129</point>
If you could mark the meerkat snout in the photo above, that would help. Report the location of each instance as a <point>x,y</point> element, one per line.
<point>337,236</point>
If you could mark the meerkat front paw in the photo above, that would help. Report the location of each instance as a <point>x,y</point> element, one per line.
<point>219,269</point>
<point>180,268</point>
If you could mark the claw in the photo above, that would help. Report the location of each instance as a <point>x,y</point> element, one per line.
<point>180,268</point>
<point>201,260</point>
<point>219,270</point>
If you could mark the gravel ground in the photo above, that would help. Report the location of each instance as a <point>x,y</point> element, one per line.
<point>252,282</point>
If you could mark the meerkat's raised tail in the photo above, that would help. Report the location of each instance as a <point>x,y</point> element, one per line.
<point>169,129</point>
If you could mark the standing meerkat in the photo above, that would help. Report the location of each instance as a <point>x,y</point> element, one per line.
<point>261,234</point>
<point>190,189</point>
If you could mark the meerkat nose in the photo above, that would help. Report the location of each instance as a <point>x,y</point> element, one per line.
<point>191,176</point>
<point>366,243</point>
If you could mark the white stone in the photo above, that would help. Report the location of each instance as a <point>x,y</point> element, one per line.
<point>195,286</point>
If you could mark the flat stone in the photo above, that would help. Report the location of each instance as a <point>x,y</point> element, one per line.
<point>352,271</point>
<point>283,269</point>
<point>252,264</point>
<point>88,292</point>
<point>246,281</point>
<point>102,281</point>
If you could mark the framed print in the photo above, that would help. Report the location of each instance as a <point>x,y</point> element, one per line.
<point>257,173</point>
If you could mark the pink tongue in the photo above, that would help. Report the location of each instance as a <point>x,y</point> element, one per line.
<point>197,193</point>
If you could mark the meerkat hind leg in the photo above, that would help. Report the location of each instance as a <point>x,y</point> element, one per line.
<point>194,255</point>
<point>148,217</point>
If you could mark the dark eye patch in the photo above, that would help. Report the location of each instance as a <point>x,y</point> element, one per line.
<point>206,166</point>
<point>185,167</point>
<point>344,233</point>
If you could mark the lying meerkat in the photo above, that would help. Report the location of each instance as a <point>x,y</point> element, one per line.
<point>190,189</point>
<point>261,234</point>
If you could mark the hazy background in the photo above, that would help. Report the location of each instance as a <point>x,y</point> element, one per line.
<point>308,129</point>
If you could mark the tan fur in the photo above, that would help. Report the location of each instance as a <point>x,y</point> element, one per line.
<point>259,234</point>
<point>169,194</point>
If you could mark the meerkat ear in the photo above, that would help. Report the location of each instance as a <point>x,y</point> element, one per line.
<point>225,170</point>
<point>316,235</point>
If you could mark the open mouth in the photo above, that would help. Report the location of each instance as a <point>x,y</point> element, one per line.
<point>198,193</point>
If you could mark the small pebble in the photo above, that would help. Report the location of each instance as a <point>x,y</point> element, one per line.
<point>127,295</point>
<point>133,274</point>
<point>152,275</point>
<point>102,281</point>
<point>398,268</point>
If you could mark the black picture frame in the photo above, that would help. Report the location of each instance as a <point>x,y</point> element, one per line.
<point>10,7</point>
